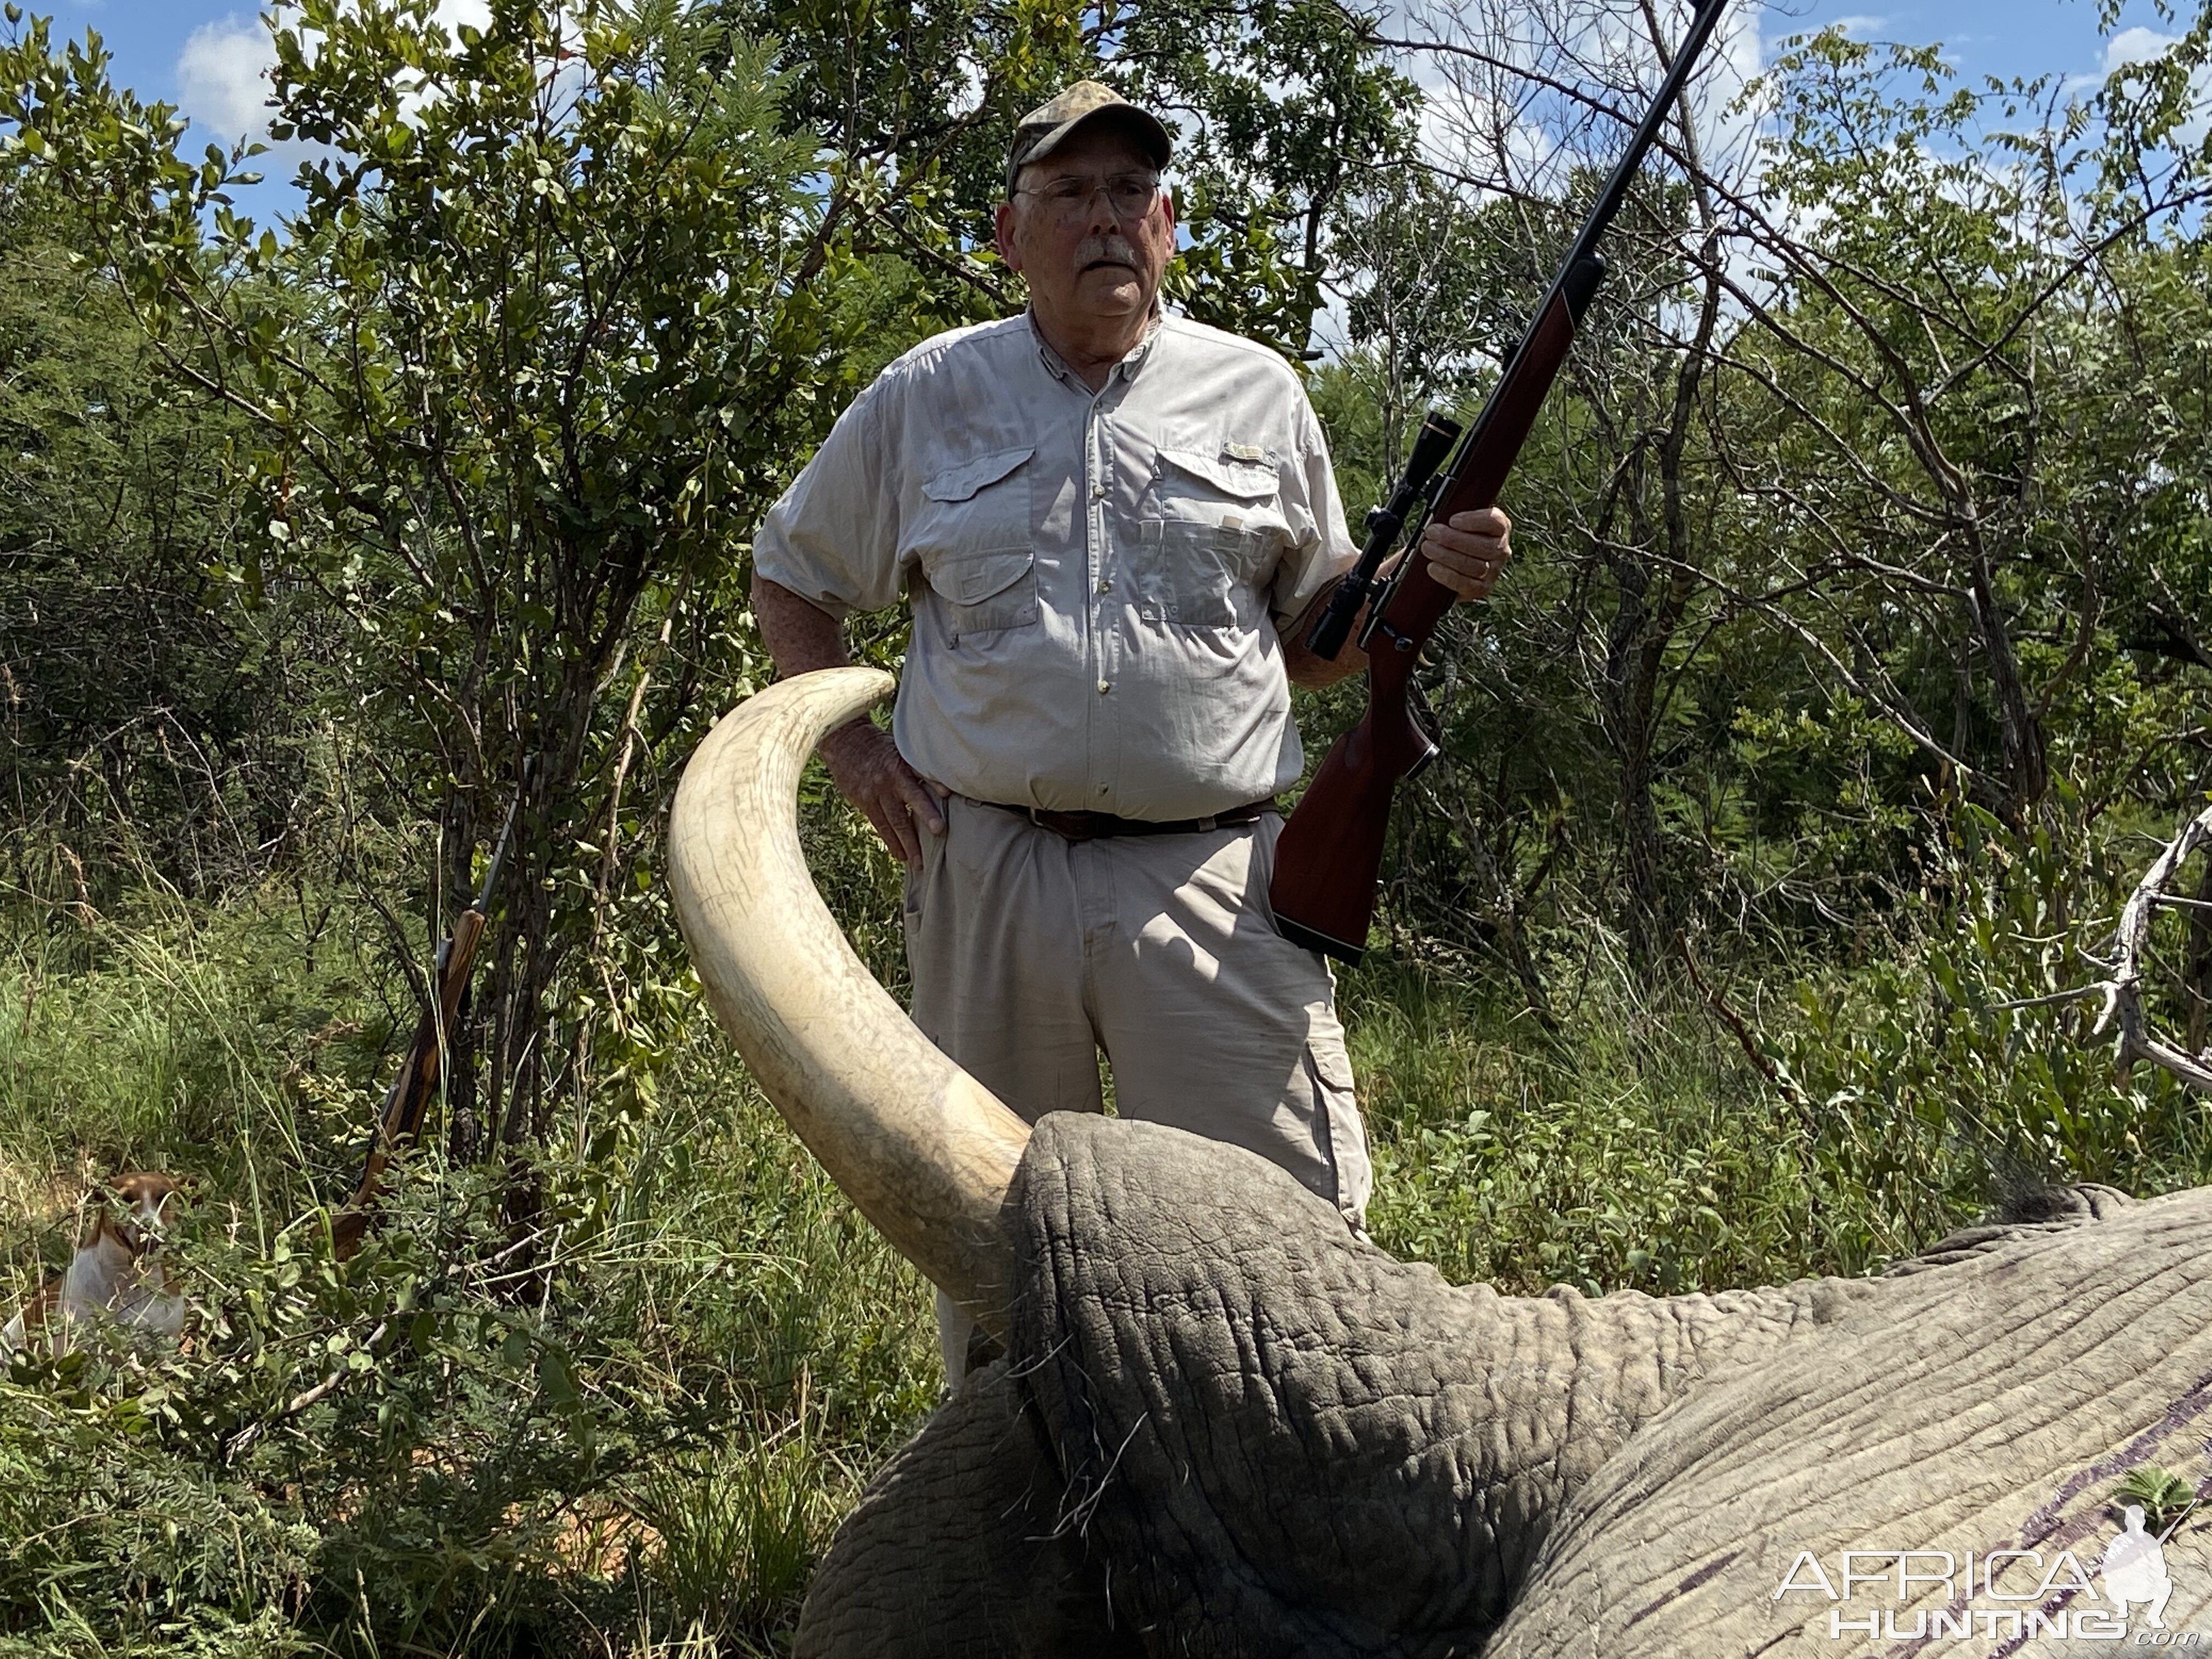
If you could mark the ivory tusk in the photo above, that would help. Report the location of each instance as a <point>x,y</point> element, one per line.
<point>924,1150</point>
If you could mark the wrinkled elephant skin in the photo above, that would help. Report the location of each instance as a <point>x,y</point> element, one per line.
<point>1227,1428</point>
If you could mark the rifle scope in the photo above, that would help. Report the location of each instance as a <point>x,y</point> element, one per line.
<point>1430,445</point>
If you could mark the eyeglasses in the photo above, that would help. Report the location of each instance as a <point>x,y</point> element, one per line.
<point>1131,194</point>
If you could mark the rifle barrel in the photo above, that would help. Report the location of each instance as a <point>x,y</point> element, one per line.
<point>499,848</point>
<point>1330,853</point>
<point>1647,131</point>
<point>1491,446</point>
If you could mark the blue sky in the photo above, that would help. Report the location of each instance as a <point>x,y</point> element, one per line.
<point>2003,37</point>
<point>205,56</point>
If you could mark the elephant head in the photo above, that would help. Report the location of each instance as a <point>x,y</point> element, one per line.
<point>1225,1427</point>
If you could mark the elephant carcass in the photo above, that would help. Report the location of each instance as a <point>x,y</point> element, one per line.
<point>1226,1428</point>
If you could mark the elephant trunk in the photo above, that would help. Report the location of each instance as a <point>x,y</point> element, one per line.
<point>924,1150</point>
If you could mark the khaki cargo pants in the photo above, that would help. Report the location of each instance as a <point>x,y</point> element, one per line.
<point>1031,954</point>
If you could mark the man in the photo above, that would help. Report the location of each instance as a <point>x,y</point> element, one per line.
<point>1115,526</point>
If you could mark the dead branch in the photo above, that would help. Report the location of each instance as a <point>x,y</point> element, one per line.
<point>2124,990</point>
<point>1754,1050</point>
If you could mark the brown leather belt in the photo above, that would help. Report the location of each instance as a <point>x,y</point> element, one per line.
<point>1090,826</point>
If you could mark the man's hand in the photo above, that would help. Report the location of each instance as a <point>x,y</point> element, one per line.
<point>866,766</point>
<point>863,760</point>
<point>1466,554</point>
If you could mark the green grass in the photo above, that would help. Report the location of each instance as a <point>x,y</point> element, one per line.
<point>1627,1149</point>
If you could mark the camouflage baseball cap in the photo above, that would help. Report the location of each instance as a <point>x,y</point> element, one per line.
<point>1043,129</point>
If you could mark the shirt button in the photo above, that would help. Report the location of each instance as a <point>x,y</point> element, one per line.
<point>1102,788</point>
<point>1098,492</point>
<point>1105,584</point>
<point>1104,686</point>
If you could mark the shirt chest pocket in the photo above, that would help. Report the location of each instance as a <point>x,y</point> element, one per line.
<point>1208,532</point>
<point>972,540</point>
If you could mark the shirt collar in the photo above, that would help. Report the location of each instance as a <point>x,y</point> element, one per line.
<point>1056,366</point>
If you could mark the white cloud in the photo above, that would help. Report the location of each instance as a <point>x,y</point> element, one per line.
<point>2136,45</point>
<point>2142,45</point>
<point>222,74</point>
<point>967,80</point>
<point>2131,45</point>
<point>223,78</point>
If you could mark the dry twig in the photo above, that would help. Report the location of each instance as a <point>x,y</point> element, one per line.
<point>2123,992</point>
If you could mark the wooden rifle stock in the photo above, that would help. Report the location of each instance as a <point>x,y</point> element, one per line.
<point>1330,853</point>
<point>407,1101</point>
<point>1326,862</point>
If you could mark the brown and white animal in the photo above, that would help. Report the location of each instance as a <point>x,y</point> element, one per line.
<point>116,1272</point>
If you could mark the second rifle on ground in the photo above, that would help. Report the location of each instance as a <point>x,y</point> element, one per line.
<point>407,1101</point>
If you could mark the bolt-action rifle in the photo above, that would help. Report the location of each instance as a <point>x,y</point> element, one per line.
<point>1331,851</point>
<point>407,1101</point>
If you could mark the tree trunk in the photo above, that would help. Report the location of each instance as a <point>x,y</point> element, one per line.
<point>2027,776</point>
<point>1641,637</point>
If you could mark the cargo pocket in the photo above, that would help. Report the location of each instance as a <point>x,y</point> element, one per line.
<point>1336,1116</point>
<point>973,541</point>
<point>987,592</point>
<point>1208,530</point>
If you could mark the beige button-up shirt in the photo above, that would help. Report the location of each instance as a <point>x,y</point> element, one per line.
<point>1096,577</point>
